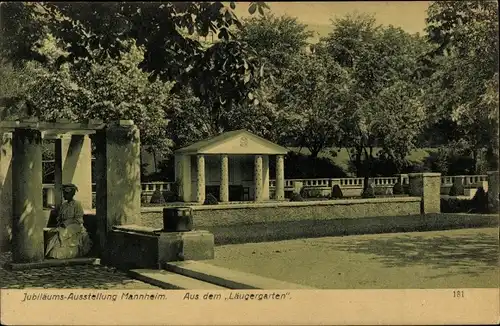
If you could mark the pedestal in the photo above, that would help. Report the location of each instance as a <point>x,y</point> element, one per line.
<point>428,187</point>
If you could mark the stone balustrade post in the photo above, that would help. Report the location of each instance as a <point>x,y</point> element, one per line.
<point>428,187</point>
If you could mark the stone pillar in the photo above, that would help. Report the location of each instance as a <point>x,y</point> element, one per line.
<point>73,164</point>
<point>200,191</point>
<point>224,178</point>
<point>493,197</point>
<point>428,187</point>
<point>280,177</point>
<point>265,177</point>
<point>258,178</point>
<point>28,220</point>
<point>186,178</point>
<point>118,172</point>
<point>5,191</point>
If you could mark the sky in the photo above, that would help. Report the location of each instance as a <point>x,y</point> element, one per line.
<point>409,15</point>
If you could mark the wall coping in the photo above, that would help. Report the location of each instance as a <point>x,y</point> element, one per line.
<point>424,174</point>
<point>306,203</point>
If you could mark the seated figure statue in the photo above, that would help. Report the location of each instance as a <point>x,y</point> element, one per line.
<point>70,239</point>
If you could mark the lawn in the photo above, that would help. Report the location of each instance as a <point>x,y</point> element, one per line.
<point>438,259</point>
<point>342,157</point>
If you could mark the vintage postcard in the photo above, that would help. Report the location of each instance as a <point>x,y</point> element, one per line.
<point>249,163</point>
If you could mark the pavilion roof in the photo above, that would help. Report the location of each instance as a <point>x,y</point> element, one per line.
<point>234,142</point>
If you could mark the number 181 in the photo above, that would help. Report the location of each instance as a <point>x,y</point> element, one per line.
<point>458,294</point>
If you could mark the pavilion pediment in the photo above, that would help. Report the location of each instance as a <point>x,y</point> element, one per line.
<point>235,142</point>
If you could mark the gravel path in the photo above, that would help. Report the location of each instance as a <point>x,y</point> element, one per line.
<point>71,277</point>
<point>437,259</point>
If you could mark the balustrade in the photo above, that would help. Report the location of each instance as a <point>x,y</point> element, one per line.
<point>149,187</point>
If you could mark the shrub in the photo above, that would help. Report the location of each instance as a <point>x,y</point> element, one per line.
<point>479,203</point>
<point>398,189</point>
<point>456,190</point>
<point>312,193</point>
<point>170,196</point>
<point>210,200</point>
<point>336,192</point>
<point>453,205</point>
<point>368,192</point>
<point>296,197</point>
<point>157,198</point>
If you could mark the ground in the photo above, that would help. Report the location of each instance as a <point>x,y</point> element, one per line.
<point>439,259</point>
<point>71,277</point>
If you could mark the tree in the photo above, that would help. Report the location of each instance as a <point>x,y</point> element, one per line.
<point>276,39</point>
<point>382,62</point>
<point>110,90</point>
<point>92,37</point>
<point>313,94</point>
<point>461,90</point>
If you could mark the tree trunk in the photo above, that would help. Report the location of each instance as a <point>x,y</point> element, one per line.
<point>154,161</point>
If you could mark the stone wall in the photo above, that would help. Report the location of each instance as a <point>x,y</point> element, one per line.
<point>229,230</point>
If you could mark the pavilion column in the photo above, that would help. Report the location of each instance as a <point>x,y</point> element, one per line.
<point>224,178</point>
<point>118,172</point>
<point>73,164</point>
<point>186,178</point>
<point>258,165</point>
<point>28,221</point>
<point>5,191</point>
<point>265,177</point>
<point>200,192</point>
<point>280,177</point>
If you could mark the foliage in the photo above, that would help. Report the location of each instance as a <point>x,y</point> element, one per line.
<point>276,39</point>
<point>170,196</point>
<point>460,90</point>
<point>382,63</point>
<point>94,37</point>
<point>157,198</point>
<point>398,188</point>
<point>368,191</point>
<point>336,192</point>
<point>479,202</point>
<point>296,197</point>
<point>457,189</point>
<point>210,200</point>
<point>299,166</point>
<point>313,93</point>
<point>110,90</point>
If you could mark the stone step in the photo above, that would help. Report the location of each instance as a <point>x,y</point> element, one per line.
<point>227,278</point>
<point>172,281</point>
